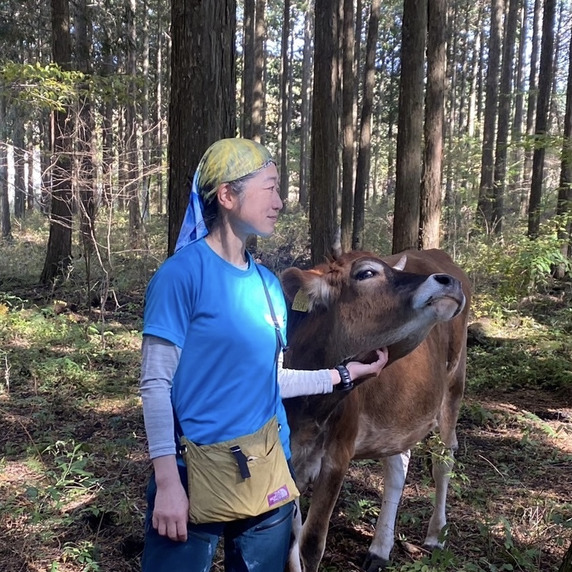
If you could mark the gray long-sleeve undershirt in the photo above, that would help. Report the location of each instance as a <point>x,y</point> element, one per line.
<point>160,359</point>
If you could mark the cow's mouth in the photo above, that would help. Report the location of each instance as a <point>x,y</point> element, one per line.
<point>442,303</point>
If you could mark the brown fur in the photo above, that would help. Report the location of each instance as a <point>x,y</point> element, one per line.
<point>384,416</point>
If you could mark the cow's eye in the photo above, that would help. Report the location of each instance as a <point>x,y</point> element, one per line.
<point>365,274</point>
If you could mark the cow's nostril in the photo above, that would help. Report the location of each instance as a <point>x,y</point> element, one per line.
<point>444,279</point>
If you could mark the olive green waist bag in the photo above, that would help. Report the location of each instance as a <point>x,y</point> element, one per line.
<point>239,478</point>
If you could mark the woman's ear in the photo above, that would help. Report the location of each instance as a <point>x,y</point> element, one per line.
<point>226,196</point>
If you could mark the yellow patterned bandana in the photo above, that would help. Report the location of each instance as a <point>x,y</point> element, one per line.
<point>225,161</point>
<point>228,160</point>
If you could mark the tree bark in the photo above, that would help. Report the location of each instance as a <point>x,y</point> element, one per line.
<point>515,182</point>
<point>305,107</point>
<point>410,126</point>
<point>85,134</point>
<point>259,64</point>
<point>564,207</point>
<point>430,215</point>
<point>505,97</point>
<point>202,62</point>
<point>531,105</point>
<point>348,125</point>
<point>58,253</point>
<point>131,144</point>
<point>364,146</point>
<point>19,167</point>
<point>544,88</point>
<point>248,68</point>
<point>284,103</point>
<point>5,224</point>
<point>484,206</point>
<point>325,136</point>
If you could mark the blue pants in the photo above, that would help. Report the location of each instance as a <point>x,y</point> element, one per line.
<point>258,544</point>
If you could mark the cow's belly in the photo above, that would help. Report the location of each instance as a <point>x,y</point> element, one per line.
<point>374,441</point>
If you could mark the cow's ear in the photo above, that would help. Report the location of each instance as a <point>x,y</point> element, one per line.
<point>401,263</point>
<point>305,289</point>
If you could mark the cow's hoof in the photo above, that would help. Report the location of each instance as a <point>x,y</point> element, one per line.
<point>374,564</point>
<point>433,547</point>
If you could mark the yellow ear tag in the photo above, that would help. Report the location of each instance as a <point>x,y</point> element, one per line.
<point>301,302</point>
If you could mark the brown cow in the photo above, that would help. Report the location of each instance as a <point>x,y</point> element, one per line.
<point>350,307</point>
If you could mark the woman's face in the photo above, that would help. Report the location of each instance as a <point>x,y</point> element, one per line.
<point>257,207</point>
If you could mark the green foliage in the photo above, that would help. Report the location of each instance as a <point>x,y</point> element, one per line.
<point>515,266</point>
<point>49,87</point>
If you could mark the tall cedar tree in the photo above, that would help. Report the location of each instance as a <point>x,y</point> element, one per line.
<point>202,62</point>
<point>430,214</point>
<point>531,103</point>
<point>565,190</point>
<point>541,126</point>
<point>348,124</point>
<point>505,99</point>
<point>364,148</point>
<point>259,64</point>
<point>484,206</point>
<point>305,107</point>
<point>285,102</point>
<point>248,68</point>
<point>5,224</point>
<point>85,132</point>
<point>325,114</point>
<point>130,133</point>
<point>58,253</point>
<point>410,126</point>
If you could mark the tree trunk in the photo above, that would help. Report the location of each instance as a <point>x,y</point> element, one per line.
<point>515,182</point>
<point>45,125</point>
<point>19,167</point>
<point>505,97</point>
<point>145,118</point>
<point>58,254</point>
<point>29,155</point>
<point>484,206</point>
<point>107,136</point>
<point>305,108</point>
<point>364,148</point>
<point>131,145</point>
<point>410,126</point>
<point>325,136</point>
<point>430,214</point>
<point>540,131</point>
<point>284,100</point>
<point>348,125</point>
<point>248,68</point>
<point>531,105</point>
<point>5,225</point>
<point>202,62</point>
<point>564,208</point>
<point>85,133</point>
<point>259,64</point>
<point>158,147</point>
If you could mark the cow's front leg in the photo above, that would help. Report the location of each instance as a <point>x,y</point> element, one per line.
<point>394,474</point>
<point>325,493</point>
<point>443,462</point>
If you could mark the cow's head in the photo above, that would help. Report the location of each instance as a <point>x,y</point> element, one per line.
<point>357,303</point>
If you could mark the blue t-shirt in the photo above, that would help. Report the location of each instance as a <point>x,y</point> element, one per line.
<point>225,385</point>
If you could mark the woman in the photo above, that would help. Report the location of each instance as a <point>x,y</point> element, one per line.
<point>208,361</point>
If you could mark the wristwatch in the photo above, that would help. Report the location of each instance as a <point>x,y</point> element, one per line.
<point>346,382</point>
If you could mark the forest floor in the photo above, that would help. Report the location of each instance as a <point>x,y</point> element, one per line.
<point>74,467</point>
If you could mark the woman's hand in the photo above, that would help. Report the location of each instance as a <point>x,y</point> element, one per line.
<point>171,512</point>
<point>358,369</point>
